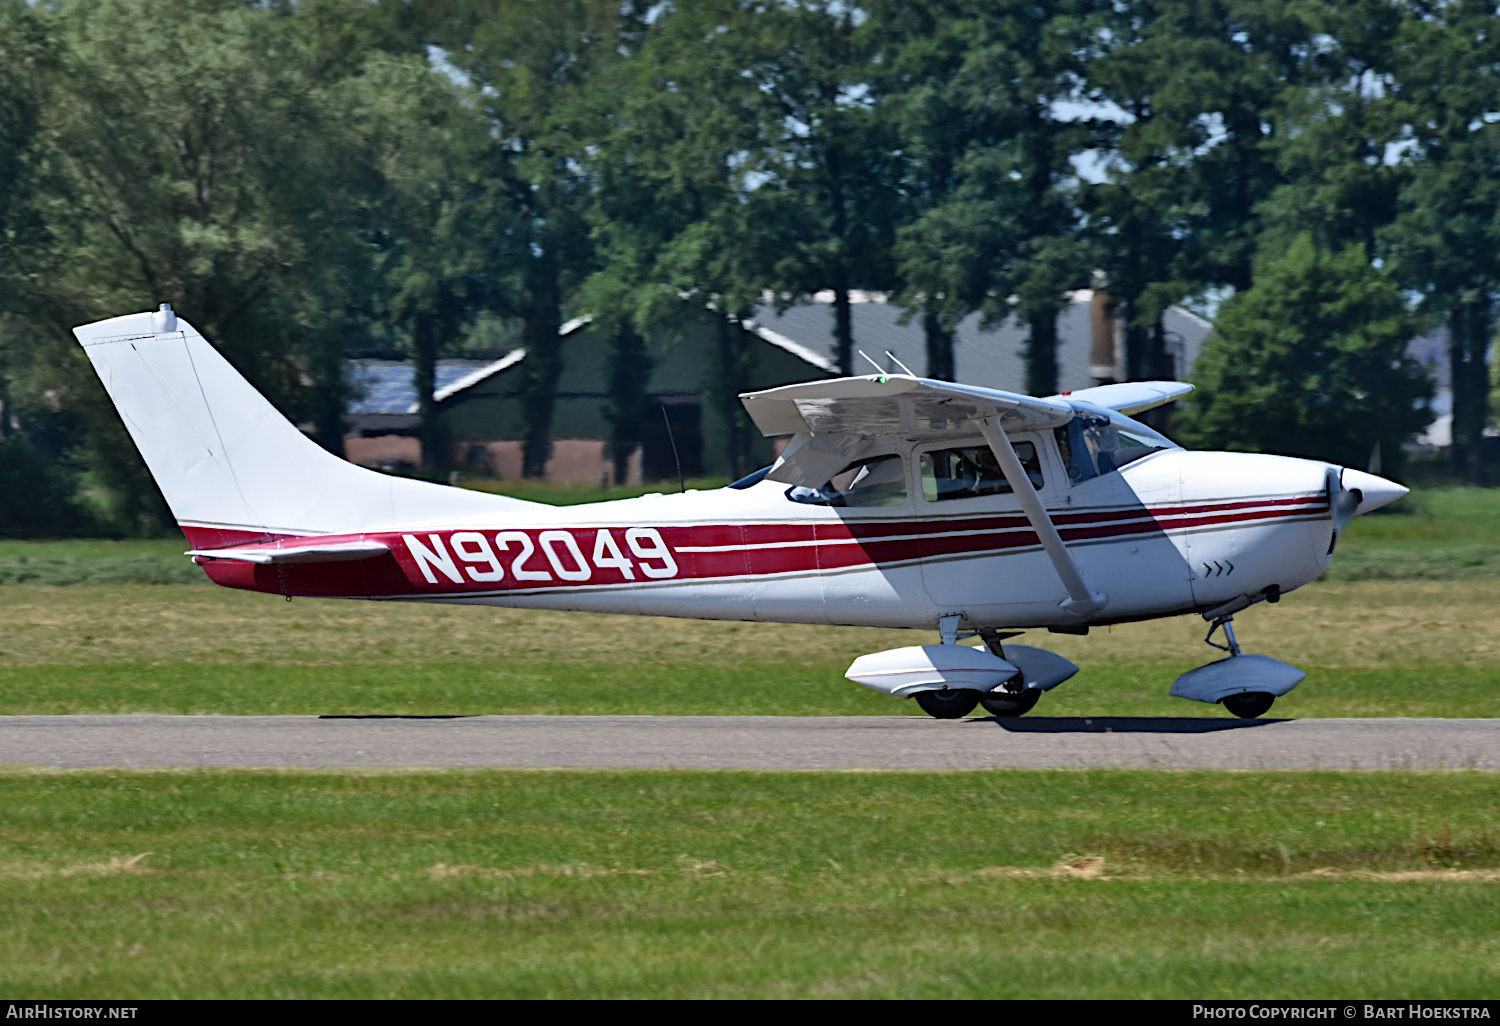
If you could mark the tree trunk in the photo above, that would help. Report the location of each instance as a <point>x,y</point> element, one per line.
<point>939,345</point>
<point>1468,342</point>
<point>543,364</point>
<point>424,345</point>
<point>843,321</point>
<point>7,409</point>
<point>843,326</point>
<point>629,375</point>
<point>1145,348</point>
<point>1041,352</point>
<point>733,357</point>
<point>328,395</point>
<point>1137,343</point>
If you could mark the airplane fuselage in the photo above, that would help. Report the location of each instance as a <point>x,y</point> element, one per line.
<point>1173,532</point>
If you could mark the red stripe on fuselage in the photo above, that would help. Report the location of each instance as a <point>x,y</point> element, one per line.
<point>716,551</point>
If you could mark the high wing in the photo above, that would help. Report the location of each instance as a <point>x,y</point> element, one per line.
<point>1131,397</point>
<point>842,420</point>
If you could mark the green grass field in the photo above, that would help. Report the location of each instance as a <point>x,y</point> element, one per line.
<point>682,884</point>
<point>1371,648</point>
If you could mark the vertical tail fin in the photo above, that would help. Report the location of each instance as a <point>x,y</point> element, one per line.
<point>226,460</point>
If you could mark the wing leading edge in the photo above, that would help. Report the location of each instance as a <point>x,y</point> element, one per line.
<point>1131,397</point>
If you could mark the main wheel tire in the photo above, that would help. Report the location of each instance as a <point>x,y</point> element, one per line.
<point>1000,703</point>
<point>1249,704</point>
<point>948,705</point>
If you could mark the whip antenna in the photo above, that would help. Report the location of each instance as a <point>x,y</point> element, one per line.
<point>898,363</point>
<point>681,483</point>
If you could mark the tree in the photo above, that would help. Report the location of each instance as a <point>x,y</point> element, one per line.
<point>28,57</point>
<point>534,66</point>
<point>194,164</point>
<point>434,208</point>
<point>1445,237</point>
<point>971,89</point>
<point>38,499</point>
<point>1311,362</point>
<point>685,214</point>
<point>824,149</point>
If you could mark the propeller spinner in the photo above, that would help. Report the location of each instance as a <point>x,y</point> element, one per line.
<point>1352,492</point>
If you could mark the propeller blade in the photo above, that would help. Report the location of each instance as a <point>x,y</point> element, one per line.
<point>1342,502</point>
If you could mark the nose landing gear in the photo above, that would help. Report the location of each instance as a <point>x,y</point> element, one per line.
<point>1246,685</point>
<point>1247,705</point>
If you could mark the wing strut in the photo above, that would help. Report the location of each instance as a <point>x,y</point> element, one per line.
<point>1080,600</point>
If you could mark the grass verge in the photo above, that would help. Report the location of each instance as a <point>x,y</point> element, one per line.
<point>684,884</point>
<point>1370,648</point>
<point>550,688</point>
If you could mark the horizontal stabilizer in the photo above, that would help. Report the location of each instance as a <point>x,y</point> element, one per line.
<point>332,552</point>
<point>1131,397</point>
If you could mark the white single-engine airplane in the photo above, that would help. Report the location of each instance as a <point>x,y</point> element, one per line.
<point>899,502</point>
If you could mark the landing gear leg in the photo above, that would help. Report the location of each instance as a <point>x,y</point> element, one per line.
<point>1006,703</point>
<point>1247,705</point>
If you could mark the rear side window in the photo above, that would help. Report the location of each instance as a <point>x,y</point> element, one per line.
<point>878,481</point>
<point>973,471</point>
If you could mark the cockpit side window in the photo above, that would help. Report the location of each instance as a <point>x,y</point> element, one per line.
<point>1090,446</point>
<point>973,471</point>
<point>877,481</point>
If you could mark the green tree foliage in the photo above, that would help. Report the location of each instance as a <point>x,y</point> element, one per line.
<point>38,499</point>
<point>27,70</point>
<point>688,211</point>
<point>971,88</point>
<point>1445,236</point>
<point>535,66</point>
<point>300,177</point>
<point>197,164</point>
<point>434,209</point>
<point>1311,362</point>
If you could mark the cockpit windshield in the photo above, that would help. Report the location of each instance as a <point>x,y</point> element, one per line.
<point>1093,444</point>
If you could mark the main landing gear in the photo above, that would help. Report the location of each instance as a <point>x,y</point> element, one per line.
<point>952,704</point>
<point>956,703</point>
<point>1011,699</point>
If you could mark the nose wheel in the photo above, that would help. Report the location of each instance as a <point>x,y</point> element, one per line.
<point>1247,705</point>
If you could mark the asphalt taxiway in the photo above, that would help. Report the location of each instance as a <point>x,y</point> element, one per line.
<point>749,742</point>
